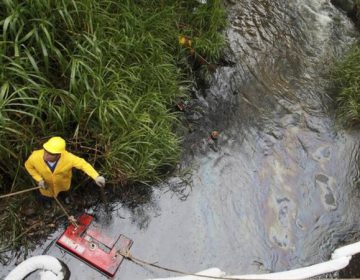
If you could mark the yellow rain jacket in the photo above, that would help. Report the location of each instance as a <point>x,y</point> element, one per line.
<point>60,179</point>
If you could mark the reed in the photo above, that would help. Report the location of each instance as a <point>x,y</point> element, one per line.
<point>104,75</point>
<point>99,73</point>
<point>347,78</point>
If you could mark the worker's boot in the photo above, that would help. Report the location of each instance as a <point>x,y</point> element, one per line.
<point>66,198</point>
<point>46,202</point>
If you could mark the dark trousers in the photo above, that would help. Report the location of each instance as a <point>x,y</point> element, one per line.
<point>45,199</point>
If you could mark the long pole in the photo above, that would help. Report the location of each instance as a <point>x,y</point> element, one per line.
<point>19,192</point>
<point>66,213</point>
<point>57,201</point>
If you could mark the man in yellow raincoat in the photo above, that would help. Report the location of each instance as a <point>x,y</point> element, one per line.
<point>51,167</point>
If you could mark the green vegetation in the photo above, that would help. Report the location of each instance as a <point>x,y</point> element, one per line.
<point>355,13</point>
<point>347,78</point>
<point>102,74</point>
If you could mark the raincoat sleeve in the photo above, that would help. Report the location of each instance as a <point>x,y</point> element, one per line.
<point>80,163</point>
<point>30,167</point>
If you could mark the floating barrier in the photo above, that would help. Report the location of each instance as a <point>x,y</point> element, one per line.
<point>340,258</point>
<point>50,269</point>
<point>53,269</point>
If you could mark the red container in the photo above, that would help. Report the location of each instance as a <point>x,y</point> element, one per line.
<point>93,247</point>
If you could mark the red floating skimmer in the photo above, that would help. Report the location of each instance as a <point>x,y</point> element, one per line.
<point>91,246</point>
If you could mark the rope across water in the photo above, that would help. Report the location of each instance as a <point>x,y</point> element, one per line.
<point>339,260</point>
<point>128,256</point>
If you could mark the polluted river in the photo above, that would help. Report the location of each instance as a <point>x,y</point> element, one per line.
<point>279,187</point>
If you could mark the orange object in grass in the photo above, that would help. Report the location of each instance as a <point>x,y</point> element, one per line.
<point>184,41</point>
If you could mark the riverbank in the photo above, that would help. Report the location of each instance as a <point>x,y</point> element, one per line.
<point>346,73</point>
<point>279,191</point>
<point>105,76</point>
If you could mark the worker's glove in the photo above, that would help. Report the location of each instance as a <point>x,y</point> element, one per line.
<point>100,181</point>
<point>42,184</point>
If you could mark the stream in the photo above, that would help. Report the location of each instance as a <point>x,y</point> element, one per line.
<point>279,188</point>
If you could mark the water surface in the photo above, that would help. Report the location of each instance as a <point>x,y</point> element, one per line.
<point>279,188</point>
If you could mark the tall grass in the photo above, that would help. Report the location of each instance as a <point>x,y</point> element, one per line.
<point>99,73</point>
<point>102,74</point>
<point>347,78</point>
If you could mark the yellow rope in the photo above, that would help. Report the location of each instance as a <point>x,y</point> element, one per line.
<point>19,192</point>
<point>128,256</point>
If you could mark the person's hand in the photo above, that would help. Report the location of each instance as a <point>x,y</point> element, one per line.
<point>100,181</point>
<point>42,184</point>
